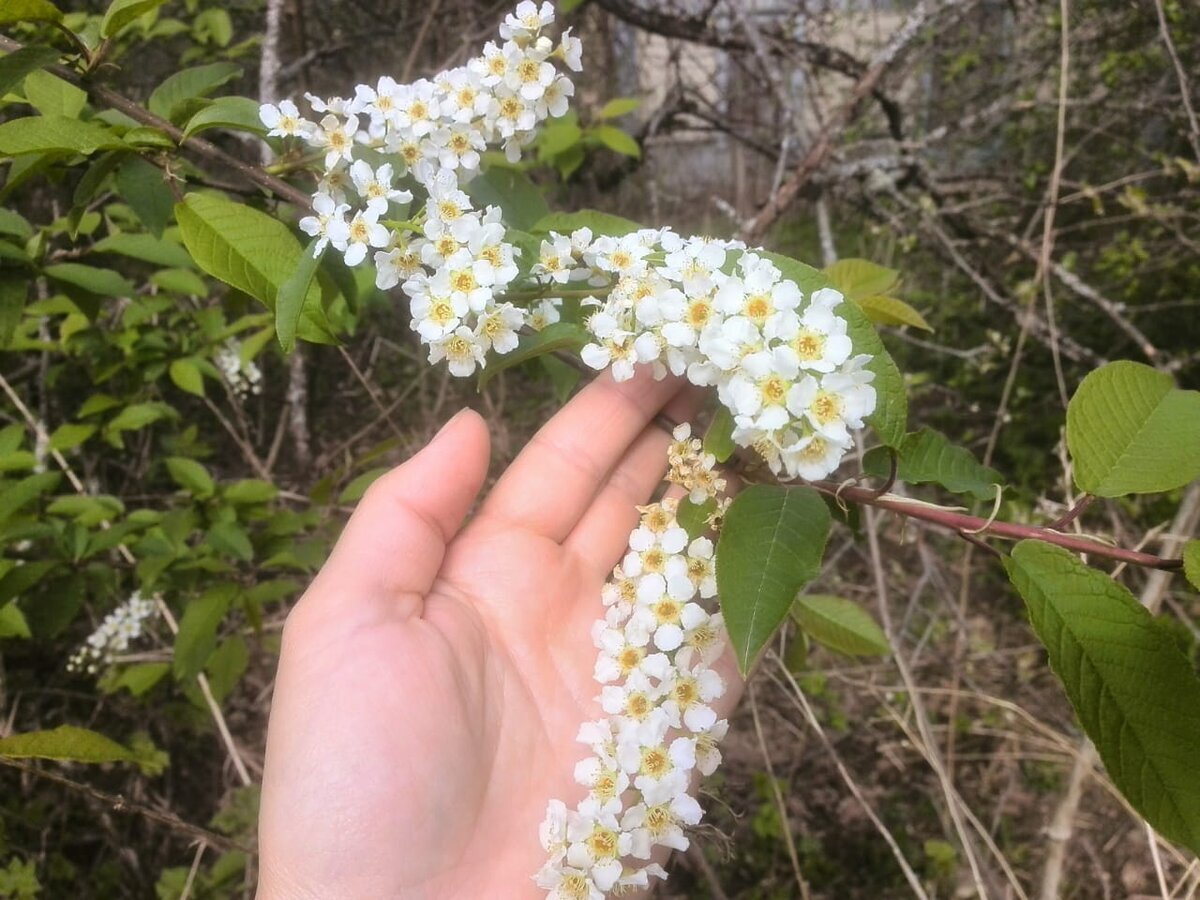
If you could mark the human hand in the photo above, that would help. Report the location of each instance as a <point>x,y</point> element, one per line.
<point>434,677</point>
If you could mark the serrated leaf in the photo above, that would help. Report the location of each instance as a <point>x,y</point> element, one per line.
<point>66,742</point>
<point>513,192</point>
<point>718,439</point>
<point>891,409</point>
<point>197,636</point>
<point>1131,431</point>
<point>1191,563</point>
<point>617,140</point>
<point>55,134</point>
<point>191,476</point>
<point>104,282</point>
<point>233,113</point>
<point>123,12</point>
<point>884,310</point>
<point>771,545</point>
<point>693,517</point>
<point>12,622</point>
<point>251,251</point>
<point>170,97</point>
<point>51,96</point>
<point>841,625</point>
<point>29,11</point>
<point>289,305</point>
<point>1134,691</point>
<point>859,278</point>
<point>70,436</point>
<point>559,336</point>
<point>600,223</point>
<point>187,376</point>
<point>928,456</point>
<point>619,106</point>
<point>18,64</point>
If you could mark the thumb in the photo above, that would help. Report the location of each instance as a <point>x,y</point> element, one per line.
<point>393,545</point>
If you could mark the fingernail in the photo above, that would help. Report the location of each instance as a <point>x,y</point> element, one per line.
<point>454,418</point>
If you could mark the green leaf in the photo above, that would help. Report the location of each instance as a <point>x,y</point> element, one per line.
<point>617,140</point>
<point>840,624</point>
<point>138,679</point>
<point>230,539</point>
<point>226,666</point>
<point>16,496</point>
<point>600,223</point>
<point>187,376</point>
<point>55,134</point>
<point>233,113</point>
<point>884,310</point>
<point>28,11</point>
<point>290,303</point>
<point>928,456</point>
<point>619,106</point>
<point>198,630</point>
<point>859,278</point>
<point>137,416</point>
<point>1134,691</point>
<point>558,137</point>
<point>170,97</point>
<point>891,409</point>
<point>104,282</point>
<point>184,282</point>
<point>249,250</point>
<point>88,511</point>
<point>191,476</point>
<point>51,96</point>
<point>1131,431</point>
<point>66,742</point>
<point>16,65</point>
<point>123,12</point>
<point>693,517</point>
<point>355,489</point>
<point>771,545</point>
<point>513,192</point>
<point>1191,563</point>
<point>718,440</point>
<point>14,224</point>
<point>145,247</point>
<point>249,492</point>
<point>559,336</point>
<point>12,622</point>
<point>141,185</point>
<point>70,436</point>
<point>13,291</point>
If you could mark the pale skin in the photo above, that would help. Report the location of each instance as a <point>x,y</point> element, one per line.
<point>434,676</point>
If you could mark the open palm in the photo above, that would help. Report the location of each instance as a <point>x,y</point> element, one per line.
<point>432,679</point>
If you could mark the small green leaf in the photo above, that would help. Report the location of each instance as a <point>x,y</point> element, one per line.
<point>104,282</point>
<point>182,281</point>
<point>1191,563</point>
<point>1135,692</point>
<point>28,11</point>
<point>13,223</point>
<point>232,113</point>
<point>16,65</point>
<point>249,491</point>
<point>191,476</point>
<point>771,545</point>
<point>123,12</point>
<point>66,742</point>
<point>513,192</point>
<point>884,310</point>
<point>187,376</point>
<point>142,187</point>
<point>13,291</point>
<point>840,624</point>
<point>353,492</point>
<point>226,666</point>
<point>55,134</point>
<point>138,679</point>
<point>197,636</point>
<point>718,440</point>
<point>559,336</point>
<point>1131,431</point>
<point>136,416</point>
<point>617,140</point>
<point>558,137</point>
<point>145,247</point>
<point>693,517</point>
<point>169,98</point>
<point>859,278</point>
<point>70,436</point>
<point>927,456</point>
<point>12,622</point>
<point>51,96</point>
<point>230,539</point>
<point>619,106</point>
<point>16,496</point>
<point>292,293</point>
<point>600,223</point>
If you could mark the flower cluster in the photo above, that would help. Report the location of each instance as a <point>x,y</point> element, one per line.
<point>657,643</point>
<point>450,258</point>
<point>243,377</point>
<point>119,628</point>
<point>782,363</point>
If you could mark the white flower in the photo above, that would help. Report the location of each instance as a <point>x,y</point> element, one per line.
<point>527,20</point>
<point>358,235</point>
<point>337,138</point>
<point>461,350</point>
<point>497,329</point>
<point>284,120</point>
<point>375,186</point>
<point>328,214</point>
<point>661,825</point>
<point>566,883</point>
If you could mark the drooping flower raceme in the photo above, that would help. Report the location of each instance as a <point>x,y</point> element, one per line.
<point>657,642</point>
<point>119,628</point>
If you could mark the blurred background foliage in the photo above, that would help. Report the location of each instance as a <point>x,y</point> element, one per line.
<point>211,470</point>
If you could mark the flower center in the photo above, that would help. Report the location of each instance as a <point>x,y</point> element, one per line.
<point>638,706</point>
<point>441,311</point>
<point>359,232</point>
<point>699,312</point>
<point>827,407</point>
<point>815,451</point>
<point>810,345</point>
<point>629,658</point>
<point>653,560</point>
<point>655,762</point>
<point>686,692</point>
<point>574,887</point>
<point>458,348</point>
<point>602,842</point>
<point>463,280</point>
<point>449,210</point>
<point>527,71</point>
<point>758,307</point>
<point>774,390</point>
<point>667,611</point>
